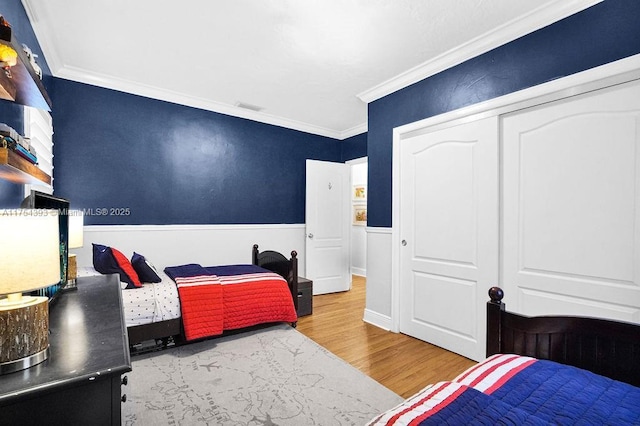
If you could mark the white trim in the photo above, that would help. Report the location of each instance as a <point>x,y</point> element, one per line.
<point>354,131</point>
<point>395,234</point>
<point>361,272</point>
<point>357,161</point>
<point>617,72</point>
<point>378,230</point>
<point>544,15</point>
<point>188,227</point>
<point>379,320</point>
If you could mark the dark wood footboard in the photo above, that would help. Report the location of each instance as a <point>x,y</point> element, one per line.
<point>606,347</point>
<point>276,262</point>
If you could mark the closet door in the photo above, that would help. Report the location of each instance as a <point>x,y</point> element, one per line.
<point>571,206</point>
<point>449,227</point>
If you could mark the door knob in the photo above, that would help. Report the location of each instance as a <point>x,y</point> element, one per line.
<point>404,243</point>
<point>310,236</point>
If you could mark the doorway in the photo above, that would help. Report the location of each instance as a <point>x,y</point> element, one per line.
<point>358,220</point>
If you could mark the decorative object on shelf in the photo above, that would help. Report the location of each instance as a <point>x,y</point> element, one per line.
<point>76,240</point>
<point>30,256</point>
<point>5,29</point>
<point>32,60</point>
<point>8,59</point>
<point>21,81</point>
<point>11,139</point>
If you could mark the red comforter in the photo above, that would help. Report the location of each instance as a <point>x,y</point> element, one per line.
<point>219,298</point>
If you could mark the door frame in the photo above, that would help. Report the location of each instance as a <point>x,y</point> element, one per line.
<point>621,71</point>
<point>355,161</point>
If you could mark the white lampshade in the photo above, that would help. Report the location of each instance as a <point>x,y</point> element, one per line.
<point>76,228</point>
<point>29,250</point>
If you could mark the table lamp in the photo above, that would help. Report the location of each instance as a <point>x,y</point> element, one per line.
<point>29,260</point>
<point>76,240</point>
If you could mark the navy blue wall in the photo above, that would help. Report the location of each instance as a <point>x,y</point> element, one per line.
<point>603,33</point>
<point>12,114</point>
<point>354,147</point>
<point>172,164</point>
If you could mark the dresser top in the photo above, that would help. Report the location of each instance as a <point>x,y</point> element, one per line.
<point>88,341</point>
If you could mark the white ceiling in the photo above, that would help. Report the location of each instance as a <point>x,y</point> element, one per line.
<point>312,65</point>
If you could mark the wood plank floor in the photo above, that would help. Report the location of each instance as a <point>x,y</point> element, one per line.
<point>400,362</point>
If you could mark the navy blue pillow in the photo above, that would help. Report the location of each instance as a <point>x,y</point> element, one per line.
<point>107,260</point>
<point>145,270</point>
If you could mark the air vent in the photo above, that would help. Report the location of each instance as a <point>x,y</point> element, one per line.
<point>248,106</point>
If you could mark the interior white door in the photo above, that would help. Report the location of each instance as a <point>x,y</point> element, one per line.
<point>449,230</point>
<point>328,219</point>
<point>572,206</point>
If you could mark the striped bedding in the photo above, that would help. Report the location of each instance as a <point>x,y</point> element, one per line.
<point>513,389</point>
<point>218,298</point>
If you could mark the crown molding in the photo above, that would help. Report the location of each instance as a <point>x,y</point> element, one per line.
<point>354,131</point>
<point>544,15</point>
<point>141,89</point>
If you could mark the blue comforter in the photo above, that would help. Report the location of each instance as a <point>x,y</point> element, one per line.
<point>516,390</point>
<point>194,269</point>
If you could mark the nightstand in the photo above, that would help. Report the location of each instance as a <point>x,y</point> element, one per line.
<point>305,297</point>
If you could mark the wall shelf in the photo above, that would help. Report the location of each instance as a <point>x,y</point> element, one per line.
<point>24,87</point>
<point>16,169</point>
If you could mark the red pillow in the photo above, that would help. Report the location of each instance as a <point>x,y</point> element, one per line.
<point>108,260</point>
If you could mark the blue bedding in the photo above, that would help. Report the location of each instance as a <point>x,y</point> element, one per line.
<point>194,269</point>
<point>562,394</point>
<point>511,389</point>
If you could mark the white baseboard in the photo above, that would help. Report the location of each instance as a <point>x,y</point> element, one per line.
<point>379,320</point>
<point>362,272</point>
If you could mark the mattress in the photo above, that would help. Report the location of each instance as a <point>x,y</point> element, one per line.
<point>153,302</point>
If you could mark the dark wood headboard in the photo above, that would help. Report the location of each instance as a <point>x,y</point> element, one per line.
<point>276,262</point>
<point>606,347</point>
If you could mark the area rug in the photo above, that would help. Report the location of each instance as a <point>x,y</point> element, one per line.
<point>273,376</point>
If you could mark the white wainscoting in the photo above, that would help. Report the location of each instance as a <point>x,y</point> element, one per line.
<point>208,245</point>
<point>378,304</point>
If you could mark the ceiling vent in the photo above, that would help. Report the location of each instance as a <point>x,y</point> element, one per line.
<point>248,106</point>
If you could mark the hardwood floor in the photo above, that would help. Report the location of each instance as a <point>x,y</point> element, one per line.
<point>400,362</point>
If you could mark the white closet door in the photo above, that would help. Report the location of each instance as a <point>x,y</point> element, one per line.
<point>571,206</point>
<point>449,227</point>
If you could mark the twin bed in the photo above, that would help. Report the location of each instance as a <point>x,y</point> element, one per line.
<point>191,302</point>
<point>539,370</point>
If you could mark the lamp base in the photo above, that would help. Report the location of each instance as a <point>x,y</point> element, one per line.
<point>72,274</point>
<point>24,363</point>
<point>24,333</point>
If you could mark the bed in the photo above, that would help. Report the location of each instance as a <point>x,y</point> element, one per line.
<point>539,370</point>
<point>154,311</point>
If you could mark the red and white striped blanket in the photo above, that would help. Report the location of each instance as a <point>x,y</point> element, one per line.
<point>219,298</point>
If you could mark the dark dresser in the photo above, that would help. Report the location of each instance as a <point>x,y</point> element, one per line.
<point>82,382</point>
